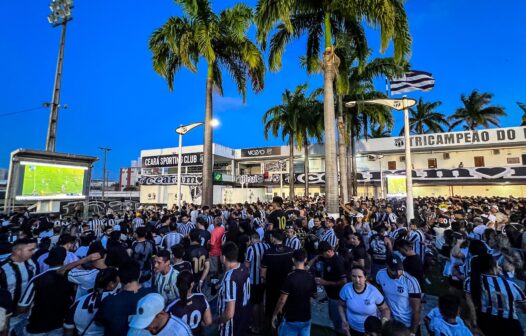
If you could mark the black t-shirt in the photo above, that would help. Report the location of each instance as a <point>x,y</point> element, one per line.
<point>53,295</point>
<point>115,311</point>
<point>300,287</point>
<point>192,312</point>
<point>183,266</point>
<point>278,261</point>
<point>333,270</point>
<point>413,266</point>
<point>204,237</point>
<point>278,218</point>
<point>197,256</point>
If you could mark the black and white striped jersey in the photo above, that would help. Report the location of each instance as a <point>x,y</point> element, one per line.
<point>254,255</point>
<point>82,312</point>
<point>15,276</point>
<point>330,237</point>
<point>97,226</point>
<point>235,286</point>
<point>185,229</point>
<point>293,242</point>
<point>499,296</point>
<point>418,240</point>
<point>171,239</point>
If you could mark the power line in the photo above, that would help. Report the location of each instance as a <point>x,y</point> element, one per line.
<point>44,105</point>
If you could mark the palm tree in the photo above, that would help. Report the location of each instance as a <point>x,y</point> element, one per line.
<point>287,119</point>
<point>377,131</point>
<point>321,21</point>
<point>425,119</point>
<point>221,41</point>
<point>523,108</point>
<point>476,112</point>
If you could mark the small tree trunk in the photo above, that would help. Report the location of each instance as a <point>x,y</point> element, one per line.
<point>291,169</point>
<point>306,164</point>
<point>349,168</point>
<point>354,168</point>
<point>208,188</point>
<point>342,152</point>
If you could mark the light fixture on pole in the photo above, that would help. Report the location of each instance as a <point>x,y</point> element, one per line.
<point>182,130</point>
<point>60,15</point>
<point>104,178</point>
<point>400,105</point>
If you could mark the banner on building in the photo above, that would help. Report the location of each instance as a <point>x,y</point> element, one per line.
<point>191,180</point>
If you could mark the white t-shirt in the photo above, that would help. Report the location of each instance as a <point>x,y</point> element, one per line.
<point>359,306</point>
<point>397,293</point>
<point>193,216</point>
<point>70,257</point>
<point>84,279</point>
<point>439,326</point>
<point>175,326</point>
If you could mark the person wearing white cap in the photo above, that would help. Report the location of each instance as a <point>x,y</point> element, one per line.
<point>152,317</point>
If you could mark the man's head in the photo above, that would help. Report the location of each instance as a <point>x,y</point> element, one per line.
<point>56,257</point>
<point>129,271</point>
<point>184,218</point>
<point>23,249</point>
<point>141,232</point>
<point>449,306</point>
<point>230,253</point>
<point>299,257</point>
<point>277,202</point>
<point>289,230</point>
<point>178,251</point>
<point>329,222</point>
<point>255,238</point>
<point>162,262</point>
<point>395,267</point>
<point>277,237</point>
<point>166,220</point>
<point>404,246</point>
<point>325,249</point>
<point>317,221</point>
<point>194,236</point>
<point>201,223</point>
<point>67,241</point>
<point>150,314</point>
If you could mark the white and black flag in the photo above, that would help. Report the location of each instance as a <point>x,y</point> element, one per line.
<point>412,81</point>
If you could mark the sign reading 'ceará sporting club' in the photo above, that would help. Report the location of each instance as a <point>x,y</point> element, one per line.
<point>489,137</point>
<point>189,159</point>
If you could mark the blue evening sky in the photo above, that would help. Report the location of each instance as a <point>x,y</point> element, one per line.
<point>116,100</point>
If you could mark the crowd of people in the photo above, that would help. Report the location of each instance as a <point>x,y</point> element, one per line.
<point>256,269</point>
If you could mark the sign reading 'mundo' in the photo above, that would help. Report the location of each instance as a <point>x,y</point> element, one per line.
<point>256,152</point>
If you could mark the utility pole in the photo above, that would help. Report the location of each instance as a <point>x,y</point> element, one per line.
<point>104,179</point>
<point>60,15</point>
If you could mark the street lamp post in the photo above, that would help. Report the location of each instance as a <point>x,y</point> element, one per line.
<point>182,130</point>
<point>400,105</point>
<point>60,15</point>
<point>104,178</point>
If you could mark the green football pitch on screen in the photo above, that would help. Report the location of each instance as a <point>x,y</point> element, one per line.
<point>52,180</point>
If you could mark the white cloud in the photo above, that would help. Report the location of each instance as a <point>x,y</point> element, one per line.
<point>227,103</point>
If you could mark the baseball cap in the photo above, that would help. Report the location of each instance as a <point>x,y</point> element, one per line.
<point>147,308</point>
<point>395,263</point>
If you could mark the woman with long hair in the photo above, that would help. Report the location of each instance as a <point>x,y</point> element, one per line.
<point>82,312</point>
<point>192,308</point>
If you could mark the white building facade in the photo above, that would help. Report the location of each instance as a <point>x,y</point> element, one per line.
<point>471,163</point>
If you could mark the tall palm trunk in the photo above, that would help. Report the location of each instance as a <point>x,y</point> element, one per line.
<point>208,187</point>
<point>291,168</point>
<point>342,152</point>
<point>330,64</point>
<point>306,164</point>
